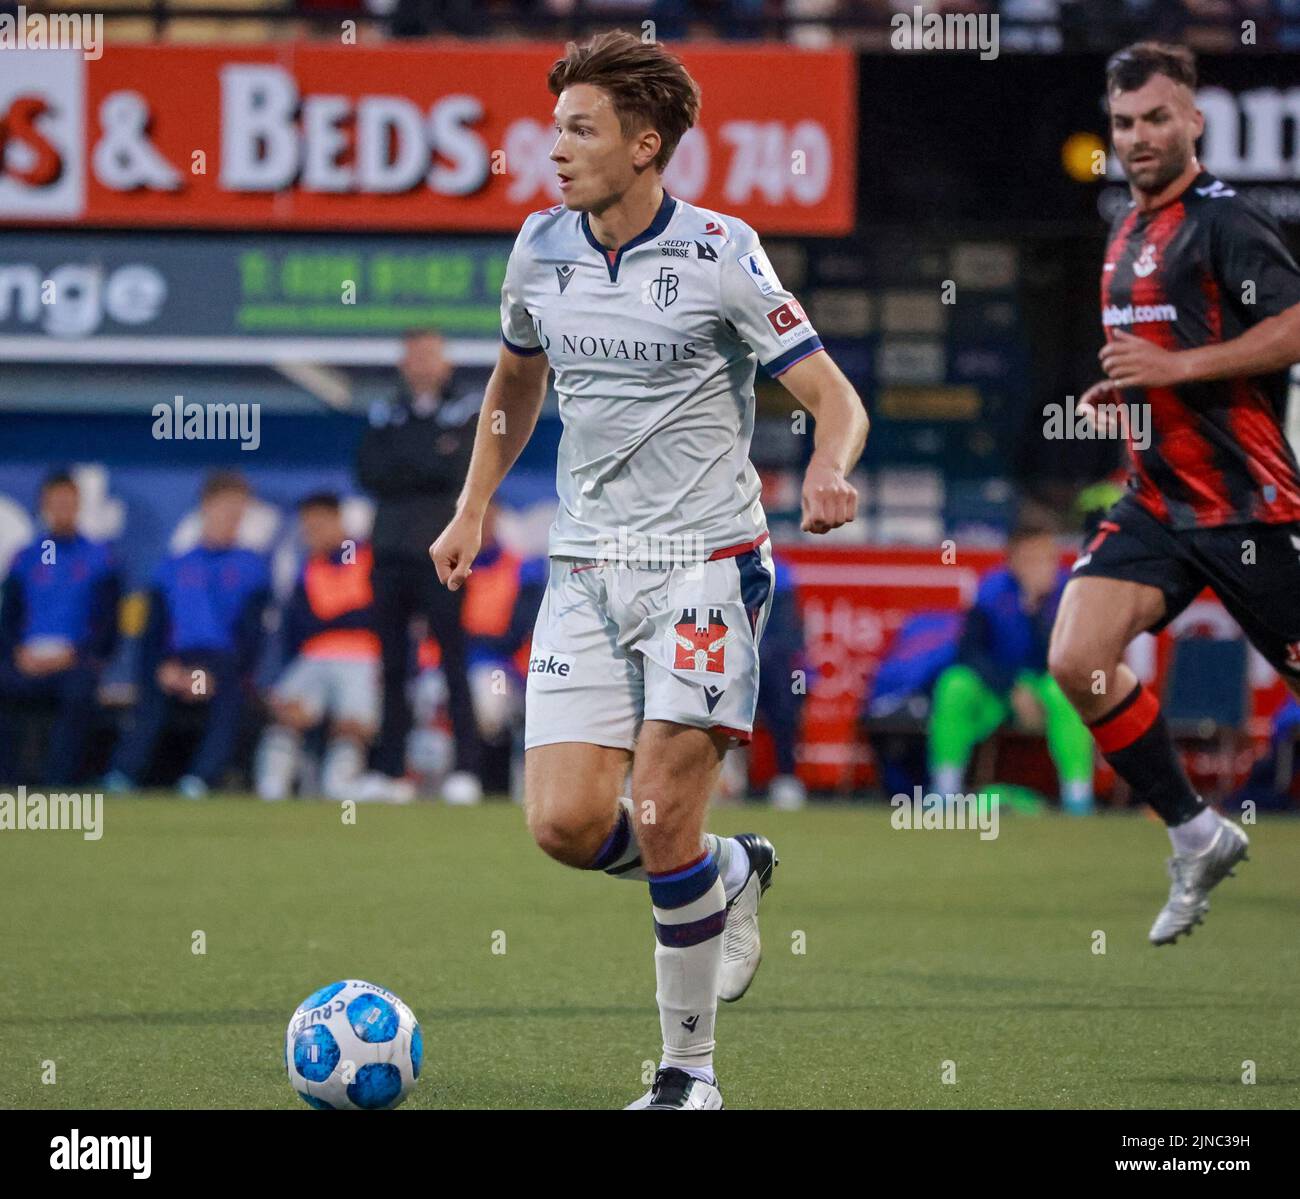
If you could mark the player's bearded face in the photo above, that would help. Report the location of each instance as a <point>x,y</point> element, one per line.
<point>1154,131</point>
<point>593,160</point>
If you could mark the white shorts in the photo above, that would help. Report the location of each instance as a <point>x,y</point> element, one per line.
<point>340,688</point>
<point>615,645</point>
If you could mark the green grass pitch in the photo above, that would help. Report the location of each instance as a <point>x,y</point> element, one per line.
<point>918,948</point>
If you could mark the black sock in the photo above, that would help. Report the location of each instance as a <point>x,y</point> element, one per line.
<point>1134,739</point>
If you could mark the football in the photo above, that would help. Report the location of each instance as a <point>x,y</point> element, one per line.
<point>352,1044</point>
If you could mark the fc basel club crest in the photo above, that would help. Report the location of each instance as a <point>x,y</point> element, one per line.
<point>700,644</point>
<point>663,290</point>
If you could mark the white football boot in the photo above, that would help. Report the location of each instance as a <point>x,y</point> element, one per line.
<point>375,787</point>
<point>1194,876</point>
<point>741,948</point>
<point>674,1090</point>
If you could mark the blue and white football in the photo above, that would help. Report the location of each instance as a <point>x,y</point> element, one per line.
<point>353,1045</point>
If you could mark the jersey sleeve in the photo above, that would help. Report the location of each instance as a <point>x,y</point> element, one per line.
<point>757,306</point>
<point>517,329</point>
<point>1249,256</point>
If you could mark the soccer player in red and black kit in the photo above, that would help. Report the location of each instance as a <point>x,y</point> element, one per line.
<point>1201,308</point>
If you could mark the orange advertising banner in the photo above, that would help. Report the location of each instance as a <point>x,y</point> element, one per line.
<point>440,137</point>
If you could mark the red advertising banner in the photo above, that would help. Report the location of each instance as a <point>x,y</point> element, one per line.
<point>438,137</point>
<point>853,601</point>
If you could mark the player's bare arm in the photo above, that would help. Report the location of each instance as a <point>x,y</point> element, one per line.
<point>511,406</point>
<point>829,499</point>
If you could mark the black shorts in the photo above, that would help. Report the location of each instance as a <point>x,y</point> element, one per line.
<point>1254,569</point>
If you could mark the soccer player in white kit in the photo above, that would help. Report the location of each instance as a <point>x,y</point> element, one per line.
<point>652,313</point>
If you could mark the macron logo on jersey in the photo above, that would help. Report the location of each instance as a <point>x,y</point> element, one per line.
<point>1217,190</point>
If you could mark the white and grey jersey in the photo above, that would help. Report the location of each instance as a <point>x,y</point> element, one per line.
<point>654,349</point>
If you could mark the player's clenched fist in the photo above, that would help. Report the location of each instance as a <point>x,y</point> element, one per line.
<point>455,550</point>
<point>829,499</point>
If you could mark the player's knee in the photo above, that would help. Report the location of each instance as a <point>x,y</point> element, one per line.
<point>291,714</point>
<point>567,838</point>
<point>1071,668</point>
<point>355,730</point>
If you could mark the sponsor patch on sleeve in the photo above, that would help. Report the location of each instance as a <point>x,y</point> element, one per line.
<point>786,319</point>
<point>760,272</point>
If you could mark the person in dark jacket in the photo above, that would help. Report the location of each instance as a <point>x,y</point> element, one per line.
<point>413,460</point>
<point>200,643</point>
<point>58,628</point>
<point>781,653</point>
<point>1001,670</point>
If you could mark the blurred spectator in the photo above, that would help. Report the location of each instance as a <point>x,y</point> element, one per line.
<point>502,596</point>
<point>1001,669</point>
<point>781,653</point>
<point>1272,777</point>
<point>58,628</point>
<point>333,660</point>
<point>924,646</point>
<point>413,459</point>
<point>200,644</point>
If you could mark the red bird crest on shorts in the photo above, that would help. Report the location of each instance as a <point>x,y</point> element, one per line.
<point>700,646</point>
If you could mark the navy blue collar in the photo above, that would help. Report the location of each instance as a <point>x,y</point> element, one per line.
<point>665,214</point>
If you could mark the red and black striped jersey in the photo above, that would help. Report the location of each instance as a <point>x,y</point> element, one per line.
<point>1203,269</point>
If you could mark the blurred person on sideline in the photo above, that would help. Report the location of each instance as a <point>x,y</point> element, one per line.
<point>333,660</point>
<point>200,643</point>
<point>58,629</point>
<point>502,598</point>
<point>1001,669</point>
<point>412,459</point>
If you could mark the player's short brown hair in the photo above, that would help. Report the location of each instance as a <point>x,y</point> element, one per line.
<point>1033,519</point>
<point>1128,69</point>
<point>219,482</point>
<point>647,84</point>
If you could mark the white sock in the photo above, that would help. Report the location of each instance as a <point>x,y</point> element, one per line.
<point>1194,836</point>
<point>277,762</point>
<point>733,863</point>
<point>947,780</point>
<point>1076,794</point>
<point>341,768</point>
<point>620,856</point>
<point>728,853</point>
<point>690,909</point>
<point>694,1071</point>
